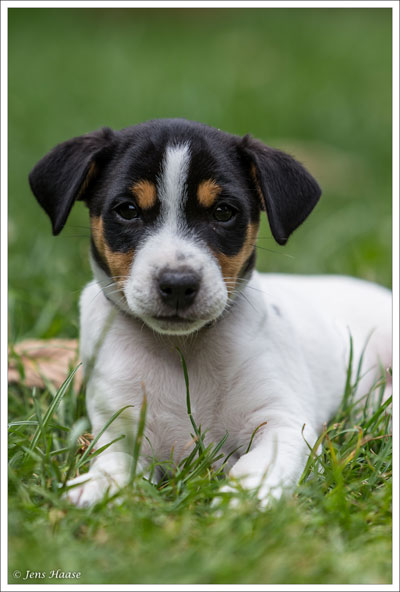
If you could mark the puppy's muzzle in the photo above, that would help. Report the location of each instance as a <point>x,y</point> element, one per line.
<point>178,289</point>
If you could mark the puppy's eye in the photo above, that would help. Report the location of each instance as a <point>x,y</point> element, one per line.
<point>223,212</point>
<point>127,210</point>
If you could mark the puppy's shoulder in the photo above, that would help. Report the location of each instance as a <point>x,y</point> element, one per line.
<point>95,309</point>
<point>93,303</point>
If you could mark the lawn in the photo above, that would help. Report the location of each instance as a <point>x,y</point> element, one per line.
<point>315,82</point>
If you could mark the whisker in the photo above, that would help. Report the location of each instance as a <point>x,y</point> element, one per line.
<point>115,278</point>
<point>95,296</point>
<point>111,292</point>
<point>243,295</point>
<point>272,251</point>
<point>256,289</point>
<point>232,282</point>
<point>107,293</point>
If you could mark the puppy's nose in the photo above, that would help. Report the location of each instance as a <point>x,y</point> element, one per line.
<point>178,289</point>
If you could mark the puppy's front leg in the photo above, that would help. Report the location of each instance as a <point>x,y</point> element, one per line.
<point>276,461</point>
<point>107,475</point>
<point>111,469</point>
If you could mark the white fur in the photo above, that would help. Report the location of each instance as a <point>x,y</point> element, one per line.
<point>163,250</point>
<point>172,184</point>
<point>278,356</point>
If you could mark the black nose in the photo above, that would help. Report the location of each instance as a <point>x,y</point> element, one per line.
<point>178,289</point>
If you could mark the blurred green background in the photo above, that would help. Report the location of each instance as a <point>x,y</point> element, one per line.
<point>314,82</point>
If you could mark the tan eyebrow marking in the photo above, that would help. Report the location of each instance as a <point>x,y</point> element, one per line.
<point>118,263</point>
<point>207,192</point>
<point>145,193</point>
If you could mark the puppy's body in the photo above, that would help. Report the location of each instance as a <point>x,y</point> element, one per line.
<point>174,210</point>
<point>254,366</point>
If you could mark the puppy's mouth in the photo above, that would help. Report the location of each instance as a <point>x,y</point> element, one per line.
<point>173,324</point>
<point>173,319</point>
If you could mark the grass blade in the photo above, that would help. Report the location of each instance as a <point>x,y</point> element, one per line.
<point>53,406</point>
<point>96,439</point>
<point>188,404</point>
<point>139,435</point>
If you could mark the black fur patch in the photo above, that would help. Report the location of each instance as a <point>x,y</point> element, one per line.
<point>248,266</point>
<point>100,168</point>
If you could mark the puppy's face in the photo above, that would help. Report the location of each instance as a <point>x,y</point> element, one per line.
<point>174,209</point>
<point>174,224</point>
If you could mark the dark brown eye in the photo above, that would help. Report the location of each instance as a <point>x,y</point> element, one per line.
<point>127,210</point>
<point>223,213</point>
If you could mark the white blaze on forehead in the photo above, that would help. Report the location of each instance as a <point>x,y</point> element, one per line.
<point>172,183</point>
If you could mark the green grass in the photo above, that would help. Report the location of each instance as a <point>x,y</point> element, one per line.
<point>316,82</point>
<point>173,533</point>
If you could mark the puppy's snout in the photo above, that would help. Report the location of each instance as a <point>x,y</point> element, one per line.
<point>178,289</point>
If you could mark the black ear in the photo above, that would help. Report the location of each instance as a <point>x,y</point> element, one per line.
<point>288,191</point>
<point>65,173</point>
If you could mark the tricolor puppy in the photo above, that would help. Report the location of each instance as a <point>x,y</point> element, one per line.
<point>174,211</point>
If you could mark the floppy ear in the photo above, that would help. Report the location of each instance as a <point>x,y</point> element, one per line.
<point>287,190</point>
<point>66,172</point>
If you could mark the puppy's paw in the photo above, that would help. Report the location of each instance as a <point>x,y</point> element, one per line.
<point>239,494</point>
<point>229,493</point>
<point>90,488</point>
<point>231,496</point>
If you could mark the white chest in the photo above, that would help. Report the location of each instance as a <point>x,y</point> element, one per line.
<point>250,368</point>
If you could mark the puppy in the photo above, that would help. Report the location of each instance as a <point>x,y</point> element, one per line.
<point>174,211</point>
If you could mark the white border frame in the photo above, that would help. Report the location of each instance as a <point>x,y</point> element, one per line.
<point>393,4</point>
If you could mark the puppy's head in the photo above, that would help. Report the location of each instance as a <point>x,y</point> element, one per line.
<point>174,208</point>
